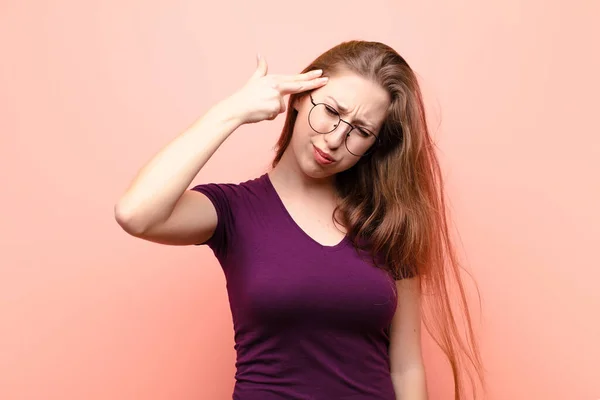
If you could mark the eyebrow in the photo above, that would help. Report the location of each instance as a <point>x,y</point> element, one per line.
<point>344,110</point>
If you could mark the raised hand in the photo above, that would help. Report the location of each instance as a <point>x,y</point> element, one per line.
<point>262,97</point>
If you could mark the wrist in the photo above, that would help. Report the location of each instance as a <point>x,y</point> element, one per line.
<point>230,112</point>
<point>219,122</point>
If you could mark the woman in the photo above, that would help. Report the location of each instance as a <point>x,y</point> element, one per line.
<point>325,256</point>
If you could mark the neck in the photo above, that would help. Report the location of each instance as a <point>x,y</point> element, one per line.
<point>288,175</point>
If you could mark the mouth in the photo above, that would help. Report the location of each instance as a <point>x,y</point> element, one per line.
<point>321,157</point>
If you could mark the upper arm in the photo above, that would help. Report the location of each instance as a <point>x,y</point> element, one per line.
<point>405,332</point>
<point>193,221</point>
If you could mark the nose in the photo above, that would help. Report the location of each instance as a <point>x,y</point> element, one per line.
<point>336,138</point>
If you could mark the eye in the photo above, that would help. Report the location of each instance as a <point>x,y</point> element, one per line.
<point>363,132</point>
<point>331,110</point>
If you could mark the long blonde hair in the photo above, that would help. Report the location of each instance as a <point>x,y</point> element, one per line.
<point>394,199</point>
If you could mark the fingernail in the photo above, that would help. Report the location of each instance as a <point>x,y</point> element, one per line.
<point>318,71</point>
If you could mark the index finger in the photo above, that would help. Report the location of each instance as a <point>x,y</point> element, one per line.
<point>300,86</point>
<point>300,77</point>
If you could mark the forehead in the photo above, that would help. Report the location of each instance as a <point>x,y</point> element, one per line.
<point>357,94</point>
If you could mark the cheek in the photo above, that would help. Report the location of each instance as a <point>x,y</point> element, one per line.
<point>348,162</point>
<point>301,136</point>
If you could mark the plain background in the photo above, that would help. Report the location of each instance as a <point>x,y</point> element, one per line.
<point>90,90</point>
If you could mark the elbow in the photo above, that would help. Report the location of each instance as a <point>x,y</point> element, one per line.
<point>130,221</point>
<point>410,383</point>
<point>415,370</point>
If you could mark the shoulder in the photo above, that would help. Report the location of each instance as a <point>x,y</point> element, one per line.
<point>254,187</point>
<point>235,204</point>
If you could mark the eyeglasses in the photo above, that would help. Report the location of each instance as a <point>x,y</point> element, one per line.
<point>324,119</point>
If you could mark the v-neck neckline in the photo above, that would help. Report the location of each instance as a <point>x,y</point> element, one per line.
<point>335,247</point>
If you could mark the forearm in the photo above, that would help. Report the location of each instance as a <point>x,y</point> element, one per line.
<point>410,384</point>
<point>154,192</point>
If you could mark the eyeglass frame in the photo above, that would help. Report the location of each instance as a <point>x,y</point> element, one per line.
<point>352,127</point>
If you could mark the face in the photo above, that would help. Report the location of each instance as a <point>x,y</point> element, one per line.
<point>337,124</point>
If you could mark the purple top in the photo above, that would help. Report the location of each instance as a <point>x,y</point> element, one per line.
<point>310,321</point>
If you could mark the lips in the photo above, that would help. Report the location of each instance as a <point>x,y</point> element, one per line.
<point>324,155</point>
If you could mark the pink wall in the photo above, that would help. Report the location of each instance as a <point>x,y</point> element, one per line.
<point>90,90</point>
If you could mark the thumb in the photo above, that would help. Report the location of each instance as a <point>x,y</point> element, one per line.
<point>261,68</point>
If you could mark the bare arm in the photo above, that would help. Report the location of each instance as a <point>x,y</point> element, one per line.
<point>407,369</point>
<point>157,205</point>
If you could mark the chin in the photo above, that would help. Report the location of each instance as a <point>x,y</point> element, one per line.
<point>311,169</point>
<point>317,173</point>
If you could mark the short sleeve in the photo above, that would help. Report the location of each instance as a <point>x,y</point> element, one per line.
<point>221,196</point>
<point>405,272</point>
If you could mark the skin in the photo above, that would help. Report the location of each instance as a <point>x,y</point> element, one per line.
<point>157,206</point>
<point>305,186</point>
